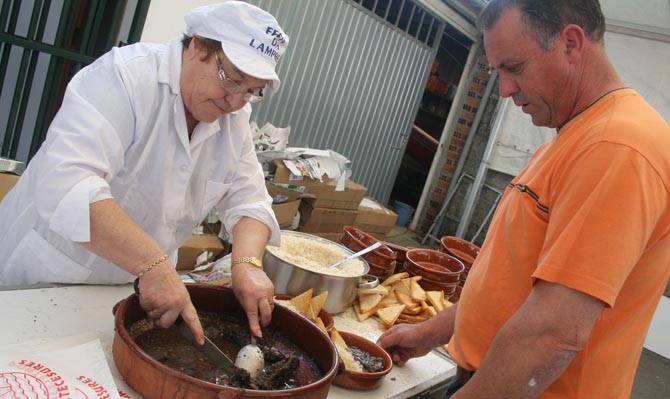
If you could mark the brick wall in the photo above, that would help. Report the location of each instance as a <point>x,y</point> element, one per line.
<point>465,118</point>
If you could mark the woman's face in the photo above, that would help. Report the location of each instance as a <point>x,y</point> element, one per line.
<point>205,98</point>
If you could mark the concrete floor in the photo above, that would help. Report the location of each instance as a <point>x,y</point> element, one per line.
<point>653,373</point>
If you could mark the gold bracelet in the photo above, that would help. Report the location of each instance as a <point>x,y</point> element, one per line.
<point>247,259</point>
<point>151,266</point>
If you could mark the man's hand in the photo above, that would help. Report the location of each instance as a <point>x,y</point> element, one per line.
<point>405,341</point>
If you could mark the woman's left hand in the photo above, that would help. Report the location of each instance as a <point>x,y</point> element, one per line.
<point>254,290</point>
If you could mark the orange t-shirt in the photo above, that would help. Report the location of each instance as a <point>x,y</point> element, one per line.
<point>591,211</point>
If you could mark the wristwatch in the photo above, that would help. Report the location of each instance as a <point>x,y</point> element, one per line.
<point>247,259</point>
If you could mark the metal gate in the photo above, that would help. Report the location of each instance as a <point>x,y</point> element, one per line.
<point>43,44</point>
<point>354,75</point>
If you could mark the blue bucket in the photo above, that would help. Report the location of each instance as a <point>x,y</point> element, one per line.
<point>404,212</point>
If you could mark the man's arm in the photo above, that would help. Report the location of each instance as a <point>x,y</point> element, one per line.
<point>536,344</point>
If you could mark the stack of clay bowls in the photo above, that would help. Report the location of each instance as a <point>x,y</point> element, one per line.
<point>400,255</point>
<point>438,270</point>
<point>465,251</point>
<point>382,260</point>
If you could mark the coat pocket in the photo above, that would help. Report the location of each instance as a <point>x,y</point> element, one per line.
<point>214,192</point>
<point>36,261</point>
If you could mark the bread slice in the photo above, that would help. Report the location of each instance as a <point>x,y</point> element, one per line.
<point>404,298</point>
<point>393,278</point>
<point>389,315</point>
<point>362,316</point>
<point>368,301</point>
<point>416,292</point>
<point>350,363</point>
<point>380,289</point>
<point>302,302</point>
<point>436,298</point>
<point>320,324</point>
<point>318,301</point>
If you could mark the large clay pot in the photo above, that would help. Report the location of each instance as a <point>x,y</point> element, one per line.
<point>153,380</point>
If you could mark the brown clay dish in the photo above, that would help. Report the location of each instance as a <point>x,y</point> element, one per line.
<point>356,240</point>
<point>363,381</point>
<point>464,250</point>
<point>153,380</point>
<point>434,265</point>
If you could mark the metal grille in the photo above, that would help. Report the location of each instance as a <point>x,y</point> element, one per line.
<point>352,82</point>
<point>43,44</point>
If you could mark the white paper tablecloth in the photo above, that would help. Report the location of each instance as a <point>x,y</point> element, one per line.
<point>80,313</point>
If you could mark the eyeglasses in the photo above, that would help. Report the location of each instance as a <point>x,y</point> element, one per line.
<point>250,96</point>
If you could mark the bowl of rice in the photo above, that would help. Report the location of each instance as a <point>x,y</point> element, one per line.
<point>300,263</point>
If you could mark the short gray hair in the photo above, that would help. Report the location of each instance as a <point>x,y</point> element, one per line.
<point>544,19</point>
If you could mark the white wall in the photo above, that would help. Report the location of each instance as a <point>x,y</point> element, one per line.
<point>643,65</point>
<point>165,19</point>
<point>658,339</point>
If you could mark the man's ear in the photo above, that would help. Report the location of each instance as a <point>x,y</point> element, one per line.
<point>573,38</point>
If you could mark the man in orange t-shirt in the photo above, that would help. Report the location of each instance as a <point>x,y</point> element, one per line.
<point>560,298</point>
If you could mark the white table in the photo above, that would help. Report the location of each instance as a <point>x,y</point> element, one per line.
<point>43,315</point>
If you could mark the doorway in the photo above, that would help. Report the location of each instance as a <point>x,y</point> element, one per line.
<point>428,125</point>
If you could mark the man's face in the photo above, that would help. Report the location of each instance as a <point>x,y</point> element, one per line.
<point>537,80</point>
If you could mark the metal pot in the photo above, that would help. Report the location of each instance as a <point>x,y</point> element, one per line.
<point>293,279</point>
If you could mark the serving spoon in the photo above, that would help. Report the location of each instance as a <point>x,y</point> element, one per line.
<point>251,358</point>
<point>357,254</point>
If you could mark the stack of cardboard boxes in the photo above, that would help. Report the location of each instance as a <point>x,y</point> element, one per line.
<point>374,218</point>
<point>324,211</point>
<point>7,181</point>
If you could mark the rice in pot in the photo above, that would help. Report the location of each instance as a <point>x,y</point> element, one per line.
<point>316,255</point>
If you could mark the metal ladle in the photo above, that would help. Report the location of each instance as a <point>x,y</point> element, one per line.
<point>357,254</point>
<point>251,358</point>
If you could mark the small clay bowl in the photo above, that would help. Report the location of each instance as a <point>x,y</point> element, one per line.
<point>358,380</point>
<point>464,250</point>
<point>435,265</point>
<point>325,316</point>
<point>414,269</point>
<point>400,251</point>
<point>356,240</point>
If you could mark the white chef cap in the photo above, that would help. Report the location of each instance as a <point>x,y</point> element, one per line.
<point>250,37</point>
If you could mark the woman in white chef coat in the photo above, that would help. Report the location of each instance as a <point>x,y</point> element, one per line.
<point>148,140</point>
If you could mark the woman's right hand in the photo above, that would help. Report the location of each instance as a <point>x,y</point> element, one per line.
<point>164,297</point>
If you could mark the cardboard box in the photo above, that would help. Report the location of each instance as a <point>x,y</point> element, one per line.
<point>284,176</point>
<point>195,246</point>
<point>284,212</point>
<point>374,217</point>
<point>325,196</point>
<point>324,220</point>
<point>7,181</point>
<point>334,237</point>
